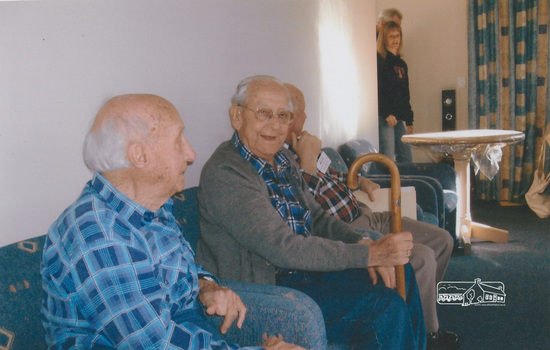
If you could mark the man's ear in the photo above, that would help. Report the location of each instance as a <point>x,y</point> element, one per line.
<point>137,154</point>
<point>236,116</point>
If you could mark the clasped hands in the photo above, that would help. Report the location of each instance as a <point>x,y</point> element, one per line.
<point>222,301</point>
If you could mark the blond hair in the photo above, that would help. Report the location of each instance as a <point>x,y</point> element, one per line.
<point>382,36</point>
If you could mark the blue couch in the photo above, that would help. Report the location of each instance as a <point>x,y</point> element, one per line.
<point>275,310</point>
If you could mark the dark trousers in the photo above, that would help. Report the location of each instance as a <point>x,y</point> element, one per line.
<point>361,314</point>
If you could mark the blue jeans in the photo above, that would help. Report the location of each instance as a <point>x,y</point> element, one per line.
<point>361,314</point>
<point>391,144</point>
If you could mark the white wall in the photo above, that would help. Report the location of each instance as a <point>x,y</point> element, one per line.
<point>60,61</point>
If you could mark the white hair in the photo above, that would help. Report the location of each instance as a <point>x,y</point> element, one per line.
<point>241,93</point>
<point>386,15</point>
<point>105,148</point>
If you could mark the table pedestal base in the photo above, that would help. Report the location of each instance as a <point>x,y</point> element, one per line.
<point>489,233</point>
<point>481,231</point>
<point>465,227</point>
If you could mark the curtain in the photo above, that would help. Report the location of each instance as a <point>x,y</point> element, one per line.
<point>508,79</point>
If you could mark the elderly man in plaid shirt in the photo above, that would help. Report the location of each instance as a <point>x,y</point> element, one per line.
<point>432,247</point>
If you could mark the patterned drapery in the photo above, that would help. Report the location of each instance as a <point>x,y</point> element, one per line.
<point>508,80</point>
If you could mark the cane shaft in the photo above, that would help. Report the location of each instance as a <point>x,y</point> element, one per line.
<point>395,205</point>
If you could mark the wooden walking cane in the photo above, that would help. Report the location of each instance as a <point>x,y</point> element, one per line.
<point>395,202</point>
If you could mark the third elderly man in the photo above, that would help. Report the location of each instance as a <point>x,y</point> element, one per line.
<point>432,246</point>
<point>260,224</point>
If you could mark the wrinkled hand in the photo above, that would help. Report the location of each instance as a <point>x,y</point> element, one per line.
<point>308,149</point>
<point>221,301</point>
<point>387,273</point>
<point>392,120</point>
<point>410,129</point>
<point>391,250</point>
<point>368,187</point>
<point>277,343</point>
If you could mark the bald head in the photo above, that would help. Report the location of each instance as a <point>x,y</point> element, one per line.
<point>296,96</point>
<point>121,120</point>
<point>299,104</point>
<point>136,142</point>
<point>148,109</point>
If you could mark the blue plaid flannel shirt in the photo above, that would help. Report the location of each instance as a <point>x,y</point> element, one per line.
<point>282,195</point>
<point>115,274</point>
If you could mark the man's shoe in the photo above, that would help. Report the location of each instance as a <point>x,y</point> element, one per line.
<point>443,341</point>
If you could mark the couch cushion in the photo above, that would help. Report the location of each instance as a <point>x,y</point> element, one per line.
<point>21,295</point>
<point>187,214</point>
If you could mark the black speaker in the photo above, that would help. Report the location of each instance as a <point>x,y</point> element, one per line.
<point>448,104</point>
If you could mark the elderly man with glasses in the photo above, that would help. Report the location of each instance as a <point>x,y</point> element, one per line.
<point>260,224</point>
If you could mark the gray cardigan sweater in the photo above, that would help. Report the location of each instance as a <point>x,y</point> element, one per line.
<point>243,237</point>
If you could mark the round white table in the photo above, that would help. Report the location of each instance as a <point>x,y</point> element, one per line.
<point>462,145</point>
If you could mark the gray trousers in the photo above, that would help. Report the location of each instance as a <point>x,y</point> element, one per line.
<point>432,249</point>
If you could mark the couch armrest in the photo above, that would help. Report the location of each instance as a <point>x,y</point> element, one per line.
<point>276,310</point>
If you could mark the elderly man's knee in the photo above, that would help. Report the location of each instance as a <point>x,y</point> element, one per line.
<point>449,240</point>
<point>422,257</point>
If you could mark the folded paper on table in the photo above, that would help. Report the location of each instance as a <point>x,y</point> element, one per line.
<point>382,200</point>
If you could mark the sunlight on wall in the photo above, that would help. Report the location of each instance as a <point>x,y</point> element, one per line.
<point>340,87</point>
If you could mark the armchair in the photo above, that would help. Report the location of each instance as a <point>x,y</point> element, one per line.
<point>427,208</point>
<point>442,177</point>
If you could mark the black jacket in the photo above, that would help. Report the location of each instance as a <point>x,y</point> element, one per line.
<point>393,89</point>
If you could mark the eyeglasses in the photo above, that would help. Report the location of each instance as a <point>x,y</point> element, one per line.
<point>265,114</point>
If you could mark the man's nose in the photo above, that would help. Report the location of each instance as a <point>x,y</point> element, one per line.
<point>189,153</point>
<point>192,155</point>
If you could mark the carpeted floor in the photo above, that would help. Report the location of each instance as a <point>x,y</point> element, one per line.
<point>522,265</point>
